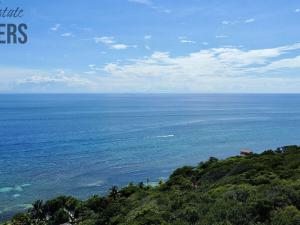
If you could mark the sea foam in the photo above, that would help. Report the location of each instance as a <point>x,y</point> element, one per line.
<point>17,188</point>
<point>165,136</point>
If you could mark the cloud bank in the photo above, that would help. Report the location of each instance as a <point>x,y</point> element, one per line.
<point>225,69</point>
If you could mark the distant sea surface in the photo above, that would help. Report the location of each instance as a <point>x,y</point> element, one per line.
<point>81,144</point>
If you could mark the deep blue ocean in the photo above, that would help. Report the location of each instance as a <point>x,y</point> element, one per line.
<point>81,144</point>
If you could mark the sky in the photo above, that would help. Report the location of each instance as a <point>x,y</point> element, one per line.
<point>154,46</point>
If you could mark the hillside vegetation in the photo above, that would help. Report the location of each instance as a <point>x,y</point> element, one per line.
<point>258,189</point>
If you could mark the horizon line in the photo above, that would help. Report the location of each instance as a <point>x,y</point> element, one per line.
<point>144,93</point>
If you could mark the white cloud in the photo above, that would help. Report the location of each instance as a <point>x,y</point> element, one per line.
<point>147,37</point>
<point>55,27</point>
<point>68,34</point>
<point>235,22</point>
<point>60,71</point>
<point>184,39</point>
<point>224,69</point>
<point>211,70</point>
<point>251,20</point>
<point>221,36</point>
<point>225,22</point>
<point>110,42</point>
<point>119,46</point>
<point>144,2</point>
<point>289,63</point>
<point>205,43</point>
<point>110,68</point>
<point>93,69</point>
<point>187,41</point>
<point>47,81</point>
<point>147,47</point>
<point>34,80</point>
<point>215,66</point>
<point>104,40</point>
<point>151,5</point>
<point>297,10</point>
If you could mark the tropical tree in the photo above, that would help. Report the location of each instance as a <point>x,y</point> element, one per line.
<point>114,192</point>
<point>37,210</point>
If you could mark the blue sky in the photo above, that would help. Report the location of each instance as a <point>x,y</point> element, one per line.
<point>154,46</point>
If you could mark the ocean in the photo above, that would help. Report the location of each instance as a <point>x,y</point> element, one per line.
<point>82,144</point>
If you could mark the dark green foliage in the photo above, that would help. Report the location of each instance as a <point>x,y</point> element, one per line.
<point>113,192</point>
<point>286,216</point>
<point>96,203</point>
<point>60,216</point>
<point>21,219</point>
<point>258,189</point>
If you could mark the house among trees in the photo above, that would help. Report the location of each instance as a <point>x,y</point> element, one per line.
<point>245,152</point>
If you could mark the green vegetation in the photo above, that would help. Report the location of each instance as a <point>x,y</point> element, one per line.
<point>258,189</point>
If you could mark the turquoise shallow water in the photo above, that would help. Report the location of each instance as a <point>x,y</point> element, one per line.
<point>82,144</point>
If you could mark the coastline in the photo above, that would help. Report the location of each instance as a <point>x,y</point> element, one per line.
<point>213,178</point>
